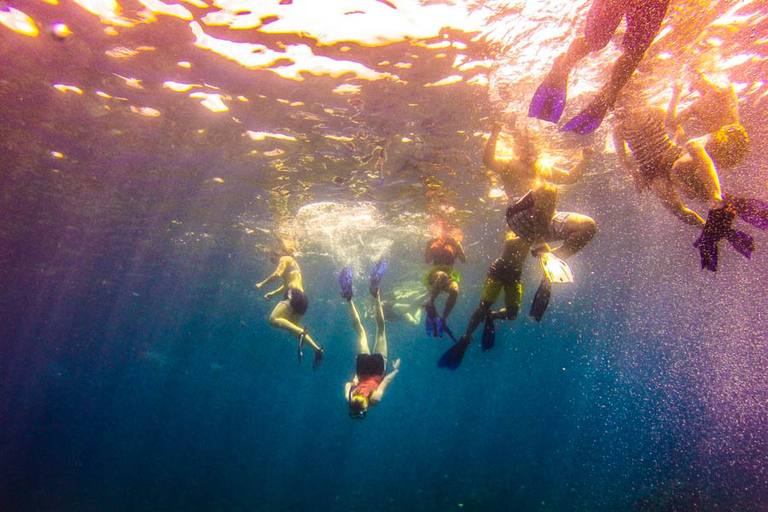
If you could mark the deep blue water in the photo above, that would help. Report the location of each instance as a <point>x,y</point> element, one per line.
<point>142,375</point>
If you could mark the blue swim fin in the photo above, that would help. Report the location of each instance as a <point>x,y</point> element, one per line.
<point>584,123</point>
<point>377,272</point>
<point>452,357</point>
<point>434,323</point>
<point>345,280</point>
<point>548,102</point>
<point>541,300</point>
<point>489,334</point>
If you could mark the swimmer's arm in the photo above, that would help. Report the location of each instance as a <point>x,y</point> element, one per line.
<point>428,251</point>
<point>279,271</point>
<point>271,294</point>
<point>347,388</point>
<point>460,254</point>
<point>489,152</point>
<point>377,395</point>
<point>563,177</point>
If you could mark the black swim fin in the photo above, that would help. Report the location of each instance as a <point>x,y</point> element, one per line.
<point>753,211</point>
<point>452,357</point>
<point>718,225</point>
<point>742,242</point>
<point>489,334</point>
<point>541,300</point>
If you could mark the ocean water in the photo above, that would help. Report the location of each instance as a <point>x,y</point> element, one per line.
<point>138,371</point>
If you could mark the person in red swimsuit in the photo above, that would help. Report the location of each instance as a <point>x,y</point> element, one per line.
<point>371,377</point>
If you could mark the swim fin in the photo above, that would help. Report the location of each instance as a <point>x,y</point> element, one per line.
<point>451,359</point>
<point>489,334</point>
<point>541,300</point>
<point>345,280</point>
<point>377,273</point>
<point>318,359</point>
<point>555,269</point>
<point>548,101</point>
<point>718,224</point>
<point>585,122</point>
<point>741,241</point>
<point>752,211</point>
<point>434,323</point>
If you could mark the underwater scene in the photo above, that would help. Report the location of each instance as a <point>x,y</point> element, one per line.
<point>364,255</point>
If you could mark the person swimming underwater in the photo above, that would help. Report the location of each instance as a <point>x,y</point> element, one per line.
<point>371,377</point>
<point>644,18</point>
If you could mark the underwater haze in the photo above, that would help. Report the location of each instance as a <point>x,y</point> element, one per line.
<point>151,154</point>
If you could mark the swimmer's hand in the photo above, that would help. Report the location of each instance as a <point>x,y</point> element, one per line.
<point>269,295</point>
<point>396,365</point>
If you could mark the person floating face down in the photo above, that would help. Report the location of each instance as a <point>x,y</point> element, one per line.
<point>505,273</point>
<point>442,252</point>
<point>668,170</point>
<point>644,19</point>
<point>371,377</point>
<point>717,111</point>
<point>289,311</point>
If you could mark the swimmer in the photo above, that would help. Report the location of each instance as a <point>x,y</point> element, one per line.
<point>442,252</point>
<point>505,274</point>
<point>644,18</point>
<point>717,110</point>
<point>289,311</point>
<point>526,171</point>
<point>668,170</point>
<point>371,377</point>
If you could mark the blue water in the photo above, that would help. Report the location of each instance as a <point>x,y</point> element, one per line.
<point>138,371</point>
<point>142,375</point>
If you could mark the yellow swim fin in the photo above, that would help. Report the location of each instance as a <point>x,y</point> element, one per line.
<point>555,269</point>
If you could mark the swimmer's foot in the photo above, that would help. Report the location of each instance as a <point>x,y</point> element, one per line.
<point>318,358</point>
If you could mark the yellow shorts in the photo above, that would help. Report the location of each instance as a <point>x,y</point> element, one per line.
<point>513,293</point>
<point>429,276</point>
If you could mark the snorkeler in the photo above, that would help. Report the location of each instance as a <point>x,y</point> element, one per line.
<point>644,18</point>
<point>442,252</point>
<point>371,377</point>
<point>717,110</point>
<point>526,172</point>
<point>666,169</point>
<point>505,274</point>
<point>288,312</point>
